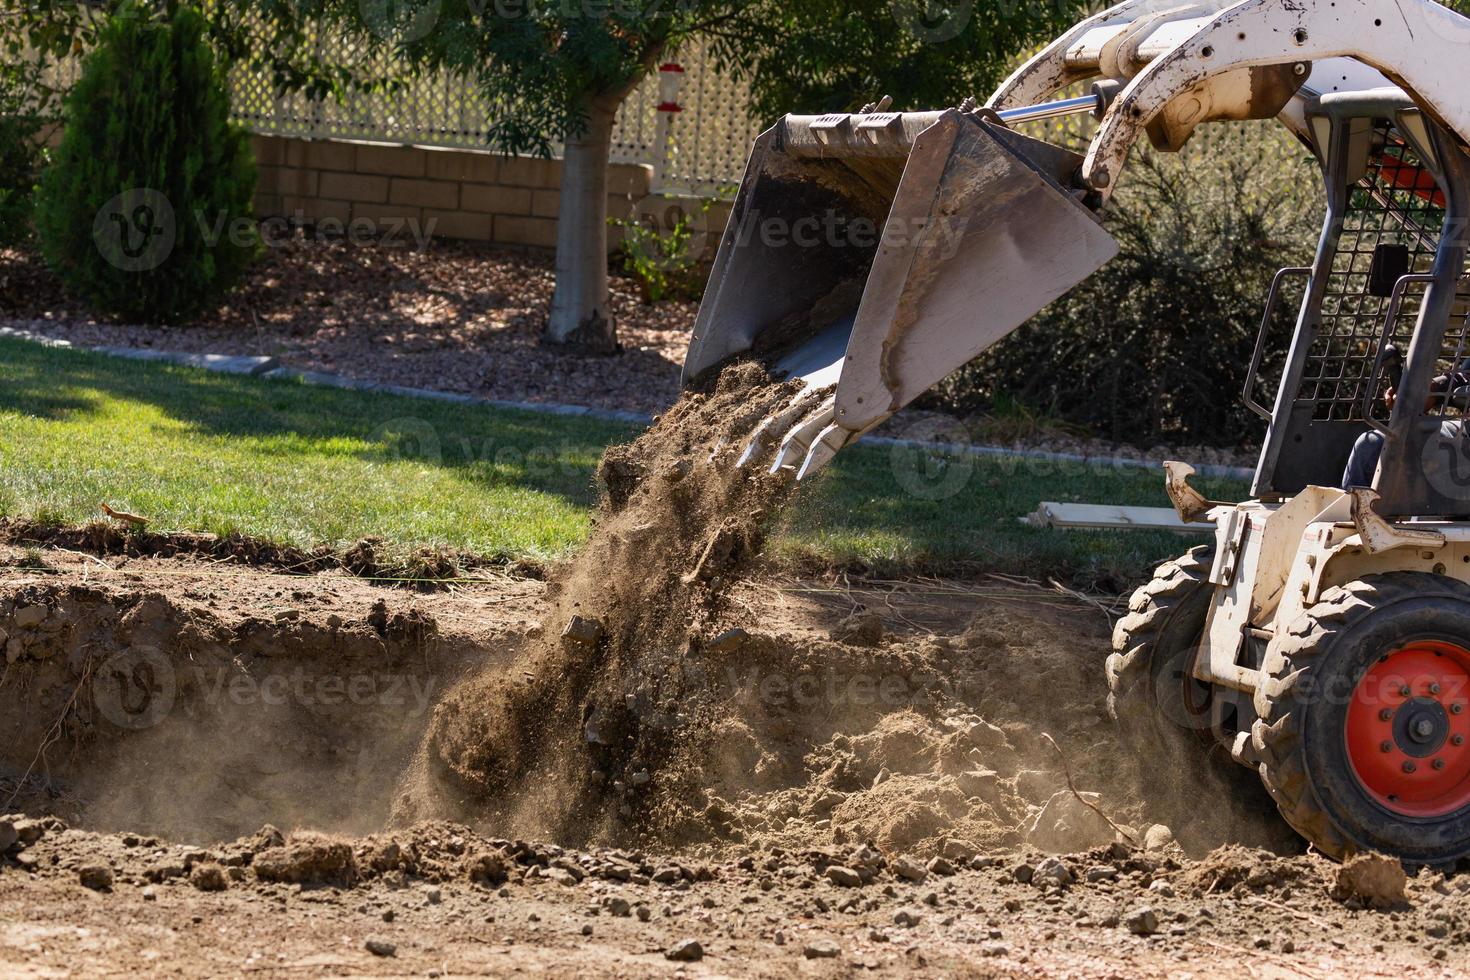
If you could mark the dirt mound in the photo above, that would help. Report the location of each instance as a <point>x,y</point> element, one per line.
<point>601,724</point>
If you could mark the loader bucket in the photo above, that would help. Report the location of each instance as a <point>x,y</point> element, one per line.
<point>872,255</point>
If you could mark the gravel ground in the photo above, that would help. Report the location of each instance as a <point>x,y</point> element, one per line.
<point>462,318</point>
<point>139,852</point>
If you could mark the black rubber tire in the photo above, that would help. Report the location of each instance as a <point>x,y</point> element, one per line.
<point>1153,644</point>
<point>1299,734</point>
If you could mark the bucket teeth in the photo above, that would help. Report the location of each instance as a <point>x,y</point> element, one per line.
<point>809,436</point>
<point>771,429</point>
<point>828,441</point>
<point>798,442</point>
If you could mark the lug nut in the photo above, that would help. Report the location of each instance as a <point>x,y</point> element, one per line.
<point>1433,688</point>
<point>1409,767</point>
<point>1405,690</point>
<point>1385,714</point>
<point>1385,746</point>
<point>1456,708</point>
<point>1438,763</point>
<point>1457,740</point>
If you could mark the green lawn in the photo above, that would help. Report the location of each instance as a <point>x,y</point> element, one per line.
<point>306,465</point>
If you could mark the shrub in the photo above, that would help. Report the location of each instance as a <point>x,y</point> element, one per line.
<point>20,161</point>
<point>20,153</point>
<point>1155,346</point>
<point>143,211</point>
<point>663,247</point>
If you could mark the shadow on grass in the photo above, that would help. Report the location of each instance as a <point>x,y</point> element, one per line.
<point>285,418</point>
<point>889,510</point>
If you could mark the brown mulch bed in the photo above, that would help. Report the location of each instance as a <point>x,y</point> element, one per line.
<point>453,317</point>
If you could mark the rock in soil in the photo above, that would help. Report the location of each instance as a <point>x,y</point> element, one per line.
<point>97,877</point>
<point>821,949</point>
<point>307,858</point>
<point>1142,921</point>
<point>685,951</point>
<point>1066,824</point>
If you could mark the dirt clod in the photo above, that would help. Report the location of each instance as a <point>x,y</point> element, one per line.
<point>307,859</point>
<point>97,877</point>
<point>381,947</point>
<point>1373,879</point>
<point>208,878</point>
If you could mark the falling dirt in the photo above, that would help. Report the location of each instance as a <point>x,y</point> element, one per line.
<point>601,727</point>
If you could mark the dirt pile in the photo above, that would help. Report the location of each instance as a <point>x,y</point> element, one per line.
<point>988,740</point>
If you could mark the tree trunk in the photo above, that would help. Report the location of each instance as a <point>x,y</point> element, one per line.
<point>580,317</point>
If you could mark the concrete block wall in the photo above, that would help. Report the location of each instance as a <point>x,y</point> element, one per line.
<point>465,194</point>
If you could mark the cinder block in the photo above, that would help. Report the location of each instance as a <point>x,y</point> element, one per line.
<point>394,161</point>
<point>270,151</point>
<point>530,172</point>
<point>296,181</point>
<point>387,219</point>
<point>462,165</point>
<point>355,187</point>
<point>546,204</point>
<point>322,155</point>
<point>268,205</point>
<point>517,230</point>
<point>635,179</point>
<point>462,225</point>
<point>494,199</point>
<point>267,178</point>
<point>424,193</point>
<point>317,209</point>
<point>621,206</point>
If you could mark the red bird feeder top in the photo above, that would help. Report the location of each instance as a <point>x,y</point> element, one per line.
<point>670,75</point>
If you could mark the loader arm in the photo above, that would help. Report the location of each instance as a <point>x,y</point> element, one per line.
<point>1420,44</point>
<point>945,230</point>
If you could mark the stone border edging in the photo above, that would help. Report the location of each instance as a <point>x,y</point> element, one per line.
<point>269,367</point>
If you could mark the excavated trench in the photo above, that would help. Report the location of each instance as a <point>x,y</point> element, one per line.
<point>630,700</point>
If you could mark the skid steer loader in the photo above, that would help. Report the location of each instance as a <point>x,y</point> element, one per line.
<point>1324,638</point>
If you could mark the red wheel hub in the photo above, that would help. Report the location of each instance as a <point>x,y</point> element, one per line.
<point>1408,729</point>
